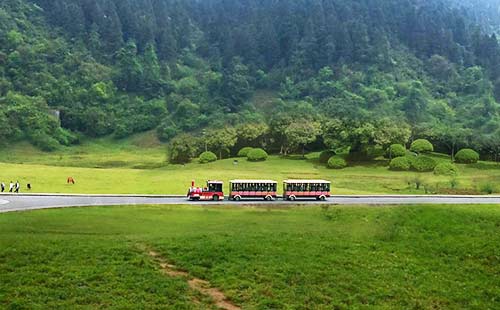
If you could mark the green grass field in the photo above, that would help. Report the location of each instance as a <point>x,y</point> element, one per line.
<point>138,165</point>
<point>415,257</point>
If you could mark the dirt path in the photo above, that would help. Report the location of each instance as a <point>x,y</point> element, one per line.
<point>202,286</point>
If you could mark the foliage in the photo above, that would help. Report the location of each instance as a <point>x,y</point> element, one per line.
<point>400,164</point>
<point>467,156</point>
<point>207,157</point>
<point>421,146</point>
<point>221,140</point>
<point>299,134</point>
<point>182,148</point>
<point>336,162</point>
<point>244,151</point>
<point>423,164</point>
<point>446,168</point>
<point>257,154</point>
<point>487,188</point>
<point>325,156</point>
<point>124,67</point>
<point>395,150</point>
<point>251,133</point>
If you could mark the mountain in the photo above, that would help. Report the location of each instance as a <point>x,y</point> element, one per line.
<point>366,67</point>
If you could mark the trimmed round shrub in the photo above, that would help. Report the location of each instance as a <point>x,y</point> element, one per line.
<point>207,157</point>
<point>400,164</point>
<point>244,151</point>
<point>423,164</point>
<point>445,169</point>
<point>421,146</point>
<point>395,150</point>
<point>325,156</point>
<point>257,154</point>
<point>466,156</point>
<point>336,162</point>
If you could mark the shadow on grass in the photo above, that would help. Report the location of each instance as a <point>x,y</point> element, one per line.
<point>484,166</point>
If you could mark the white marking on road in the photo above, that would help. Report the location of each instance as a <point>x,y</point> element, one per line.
<point>3,202</point>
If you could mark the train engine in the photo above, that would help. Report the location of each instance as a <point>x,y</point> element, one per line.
<point>212,191</point>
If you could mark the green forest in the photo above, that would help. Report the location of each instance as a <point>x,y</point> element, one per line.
<point>330,74</point>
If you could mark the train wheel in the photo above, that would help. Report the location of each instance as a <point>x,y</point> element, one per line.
<point>237,198</point>
<point>215,198</point>
<point>322,198</point>
<point>291,198</point>
<point>268,198</point>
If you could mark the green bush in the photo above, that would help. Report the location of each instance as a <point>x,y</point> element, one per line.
<point>445,169</point>
<point>244,151</point>
<point>423,164</point>
<point>400,164</point>
<point>44,142</point>
<point>466,156</point>
<point>395,150</point>
<point>257,154</point>
<point>325,156</point>
<point>421,146</point>
<point>207,157</point>
<point>487,188</point>
<point>336,162</point>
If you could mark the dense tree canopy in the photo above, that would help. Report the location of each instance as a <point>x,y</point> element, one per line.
<point>350,74</point>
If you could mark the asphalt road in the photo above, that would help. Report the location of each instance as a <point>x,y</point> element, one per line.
<point>11,203</point>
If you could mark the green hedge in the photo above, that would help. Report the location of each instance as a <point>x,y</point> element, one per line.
<point>421,146</point>
<point>467,156</point>
<point>336,162</point>
<point>423,164</point>
<point>207,157</point>
<point>244,151</point>
<point>445,169</point>
<point>400,164</point>
<point>257,154</point>
<point>325,156</point>
<point>395,150</point>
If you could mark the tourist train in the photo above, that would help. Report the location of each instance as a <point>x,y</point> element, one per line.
<point>261,189</point>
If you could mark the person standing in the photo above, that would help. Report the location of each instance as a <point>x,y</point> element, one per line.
<point>3,187</point>
<point>11,186</point>
<point>18,186</point>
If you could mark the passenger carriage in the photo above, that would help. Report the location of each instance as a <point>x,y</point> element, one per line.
<point>296,189</point>
<point>265,189</point>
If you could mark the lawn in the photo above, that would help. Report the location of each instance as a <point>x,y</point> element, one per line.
<point>413,257</point>
<point>138,165</point>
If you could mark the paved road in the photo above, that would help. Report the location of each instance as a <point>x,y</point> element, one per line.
<point>10,203</point>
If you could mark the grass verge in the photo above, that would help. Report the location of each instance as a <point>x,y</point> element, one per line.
<point>412,257</point>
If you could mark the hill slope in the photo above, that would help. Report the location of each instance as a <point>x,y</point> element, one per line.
<point>122,66</point>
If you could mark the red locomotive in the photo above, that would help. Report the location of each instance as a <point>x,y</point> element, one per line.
<point>213,191</point>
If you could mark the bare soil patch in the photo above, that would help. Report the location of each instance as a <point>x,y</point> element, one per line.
<point>199,285</point>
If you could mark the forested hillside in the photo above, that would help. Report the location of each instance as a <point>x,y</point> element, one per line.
<point>355,74</point>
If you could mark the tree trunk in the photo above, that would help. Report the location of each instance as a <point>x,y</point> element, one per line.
<point>303,151</point>
<point>453,152</point>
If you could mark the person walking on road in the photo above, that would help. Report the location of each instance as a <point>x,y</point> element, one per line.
<point>3,187</point>
<point>18,186</point>
<point>11,187</point>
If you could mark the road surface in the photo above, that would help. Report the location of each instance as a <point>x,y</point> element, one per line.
<point>11,203</point>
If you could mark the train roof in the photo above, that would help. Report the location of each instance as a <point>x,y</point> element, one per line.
<point>215,182</point>
<point>306,181</point>
<point>252,181</point>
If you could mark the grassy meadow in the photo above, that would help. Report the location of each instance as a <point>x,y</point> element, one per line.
<point>412,257</point>
<point>138,165</point>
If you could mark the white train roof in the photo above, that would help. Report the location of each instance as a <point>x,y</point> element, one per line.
<point>252,181</point>
<point>306,181</point>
